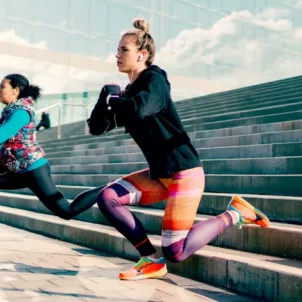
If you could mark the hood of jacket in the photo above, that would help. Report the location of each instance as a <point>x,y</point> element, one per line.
<point>155,68</point>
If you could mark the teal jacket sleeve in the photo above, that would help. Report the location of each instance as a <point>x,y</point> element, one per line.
<point>15,122</point>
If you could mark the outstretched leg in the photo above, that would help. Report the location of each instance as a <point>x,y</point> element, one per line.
<point>41,183</point>
<point>84,201</point>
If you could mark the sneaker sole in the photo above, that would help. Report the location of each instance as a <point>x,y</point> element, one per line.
<point>161,273</point>
<point>265,220</point>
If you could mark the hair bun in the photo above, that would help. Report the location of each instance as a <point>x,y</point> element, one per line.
<point>141,24</point>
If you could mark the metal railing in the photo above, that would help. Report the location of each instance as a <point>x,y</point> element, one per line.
<point>60,104</point>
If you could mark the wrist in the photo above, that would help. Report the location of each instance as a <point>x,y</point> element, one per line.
<point>111,96</point>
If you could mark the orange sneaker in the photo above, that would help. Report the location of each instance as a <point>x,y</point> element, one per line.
<point>145,268</point>
<point>247,213</point>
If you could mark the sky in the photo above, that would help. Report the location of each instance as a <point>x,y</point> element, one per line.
<point>225,44</point>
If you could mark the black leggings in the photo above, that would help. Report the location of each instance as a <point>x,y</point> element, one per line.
<point>40,182</point>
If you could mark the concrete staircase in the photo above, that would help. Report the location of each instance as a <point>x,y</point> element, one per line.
<point>250,141</point>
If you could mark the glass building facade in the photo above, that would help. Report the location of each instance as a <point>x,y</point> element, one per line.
<point>68,46</point>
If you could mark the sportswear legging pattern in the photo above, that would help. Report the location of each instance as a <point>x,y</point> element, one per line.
<point>40,182</point>
<point>180,238</point>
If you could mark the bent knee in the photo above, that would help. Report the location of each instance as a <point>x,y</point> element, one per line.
<point>107,194</point>
<point>106,197</point>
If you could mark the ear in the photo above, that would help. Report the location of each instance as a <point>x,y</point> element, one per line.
<point>16,91</point>
<point>143,54</point>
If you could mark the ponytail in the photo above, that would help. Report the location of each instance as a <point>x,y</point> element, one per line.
<point>33,91</point>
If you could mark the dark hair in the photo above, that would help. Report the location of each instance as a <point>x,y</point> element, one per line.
<point>26,89</point>
<point>143,38</point>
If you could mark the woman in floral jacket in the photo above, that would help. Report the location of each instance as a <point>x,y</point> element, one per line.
<point>22,160</point>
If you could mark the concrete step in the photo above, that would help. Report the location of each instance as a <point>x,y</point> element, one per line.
<point>117,133</point>
<point>84,139</point>
<point>193,127</point>
<point>250,151</point>
<point>277,165</point>
<point>245,92</point>
<point>95,144</point>
<point>66,130</point>
<point>241,104</point>
<point>93,159</point>
<point>243,114</point>
<point>122,168</point>
<point>130,153</point>
<point>93,152</point>
<point>238,103</point>
<point>209,112</point>
<point>266,96</point>
<point>90,145</point>
<point>241,130</point>
<point>236,140</point>
<point>285,209</point>
<point>252,129</point>
<point>282,240</point>
<point>275,278</point>
<point>91,180</point>
<point>244,121</point>
<point>250,139</point>
<point>285,185</point>
<point>235,131</point>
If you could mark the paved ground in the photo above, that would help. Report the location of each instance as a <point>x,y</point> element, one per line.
<point>36,268</point>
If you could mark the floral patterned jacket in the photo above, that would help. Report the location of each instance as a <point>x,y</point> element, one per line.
<point>22,149</point>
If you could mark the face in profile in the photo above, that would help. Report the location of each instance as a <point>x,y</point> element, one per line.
<point>127,54</point>
<point>7,93</point>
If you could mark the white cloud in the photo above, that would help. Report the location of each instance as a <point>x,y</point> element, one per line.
<point>266,19</point>
<point>228,55</point>
<point>293,3</point>
<point>11,37</point>
<point>273,13</point>
<point>238,50</point>
<point>298,34</point>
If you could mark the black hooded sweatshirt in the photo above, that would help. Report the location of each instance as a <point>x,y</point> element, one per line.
<point>148,114</point>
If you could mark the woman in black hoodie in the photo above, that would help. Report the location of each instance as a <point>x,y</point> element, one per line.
<point>175,174</point>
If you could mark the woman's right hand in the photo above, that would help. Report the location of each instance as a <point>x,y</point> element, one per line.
<point>113,89</point>
<point>107,89</point>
